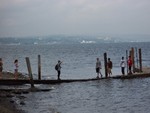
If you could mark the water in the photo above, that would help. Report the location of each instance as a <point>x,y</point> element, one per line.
<point>78,59</point>
<point>105,96</point>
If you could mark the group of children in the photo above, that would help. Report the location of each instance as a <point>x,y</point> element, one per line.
<point>110,65</point>
<point>15,68</point>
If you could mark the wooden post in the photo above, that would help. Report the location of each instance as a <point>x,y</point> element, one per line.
<point>127,60</point>
<point>140,59</point>
<point>105,64</point>
<point>132,56</point>
<point>39,67</point>
<point>30,72</point>
<point>136,58</point>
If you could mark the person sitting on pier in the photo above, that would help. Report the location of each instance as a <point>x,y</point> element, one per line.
<point>109,67</point>
<point>98,67</point>
<point>130,65</point>
<point>58,69</point>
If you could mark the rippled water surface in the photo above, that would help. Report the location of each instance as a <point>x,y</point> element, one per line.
<point>78,59</point>
<point>104,96</point>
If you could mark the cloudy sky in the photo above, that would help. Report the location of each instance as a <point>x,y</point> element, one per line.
<point>46,17</point>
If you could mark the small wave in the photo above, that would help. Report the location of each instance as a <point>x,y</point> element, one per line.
<point>35,43</point>
<point>11,44</point>
<point>87,42</point>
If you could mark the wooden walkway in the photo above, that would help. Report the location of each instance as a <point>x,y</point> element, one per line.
<point>23,81</point>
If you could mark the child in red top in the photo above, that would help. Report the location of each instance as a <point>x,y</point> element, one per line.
<point>130,64</point>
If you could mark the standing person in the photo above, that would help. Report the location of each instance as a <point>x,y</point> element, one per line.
<point>122,65</point>
<point>130,65</point>
<point>16,68</point>
<point>98,67</point>
<point>109,67</point>
<point>1,67</point>
<point>58,69</point>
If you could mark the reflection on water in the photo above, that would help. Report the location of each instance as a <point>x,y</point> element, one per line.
<point>104,96</point>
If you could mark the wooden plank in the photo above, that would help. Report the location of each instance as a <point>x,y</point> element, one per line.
<point>140,59</point>
<point>39,67</point>
<point>30,71</point>
<point>105,64</point>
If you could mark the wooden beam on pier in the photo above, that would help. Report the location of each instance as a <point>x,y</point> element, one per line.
<point>30,72</point>
<point>133,61</point>
<point>140,59</point>
<point>22,81</point>
<point>105,64</point>
<point>39,67</point>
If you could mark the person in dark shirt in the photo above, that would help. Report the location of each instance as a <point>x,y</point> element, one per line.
<point>58,69</point>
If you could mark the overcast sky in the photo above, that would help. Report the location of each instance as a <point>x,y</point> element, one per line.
<point>46,17</point>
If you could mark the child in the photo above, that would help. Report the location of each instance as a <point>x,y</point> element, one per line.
<point>130,65</point>
<point>122,65</point>
<point>58,69</point>
<point>16,69</point>
<point>109,67</point>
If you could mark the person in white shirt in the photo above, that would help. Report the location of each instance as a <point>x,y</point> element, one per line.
<point>122,65</point>
<point>98,67</point>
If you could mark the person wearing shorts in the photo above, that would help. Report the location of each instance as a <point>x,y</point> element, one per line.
<point>98,67</point>
<point>109,67</point>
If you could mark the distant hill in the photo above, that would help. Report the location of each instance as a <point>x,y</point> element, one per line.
<point>66,39</point>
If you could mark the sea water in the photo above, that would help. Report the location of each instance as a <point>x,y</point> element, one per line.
<point>105,96</point>
<point>78,59</point>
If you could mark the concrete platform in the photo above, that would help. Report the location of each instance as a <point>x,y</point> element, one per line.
<point>23,81</point>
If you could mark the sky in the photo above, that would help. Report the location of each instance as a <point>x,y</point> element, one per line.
<point>74,17</point>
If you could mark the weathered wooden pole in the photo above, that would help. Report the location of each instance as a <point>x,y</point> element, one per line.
<point>130,53</point>
<point>133,62</point>
<point>140,59</point>
<point>127,60</point>
<point>136,57</point>
<point>30,72</point>
<point>105,64</point>
<point>39,67</point>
